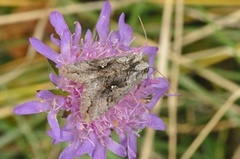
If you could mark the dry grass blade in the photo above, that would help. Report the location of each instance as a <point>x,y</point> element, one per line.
<point>21,3</point>
<point>202,66</point>
<point>211,28</point>
<point>194,130</point>
<point>218,80</point>
<point>162,63</point>
<point>211,124</point>
<point>174,74</point>
<point>36,14</point>
<point>236,153</point>
<point>205,2</point>
<point>69,9</point>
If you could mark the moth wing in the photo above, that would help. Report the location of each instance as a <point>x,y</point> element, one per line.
<point>86,71</point>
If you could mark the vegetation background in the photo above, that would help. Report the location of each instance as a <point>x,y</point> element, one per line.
<point>199,42</point>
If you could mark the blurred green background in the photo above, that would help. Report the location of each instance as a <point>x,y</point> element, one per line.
<point>198,42</point>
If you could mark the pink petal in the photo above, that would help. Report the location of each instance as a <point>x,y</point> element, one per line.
<point>122,138</point>
<point>103,22</point>
<point>58,22</point>
<point>32,107</point>
<point>88,36</point>
<point>65,136</point>
<point>160,87</point>
<point>44,49</point>
<point>77,35</point>
<point>132,146</point>
<point>155,122</point>
<point>54,78</point>
<point>86,147</point>
<point>44,94</point>
<point>125,31</point>
<point>68,152</point>
<point>55,40</point>
<point>53,122</point>
<point>99,152</point>
<point>115,147</point>
<point>65,46</point>
<point>151,51</point>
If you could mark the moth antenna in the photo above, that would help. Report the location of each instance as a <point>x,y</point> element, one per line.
<point>175,93</point>
<point>144,31</point>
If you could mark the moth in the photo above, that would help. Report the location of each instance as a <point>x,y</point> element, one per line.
<point>105,81</point>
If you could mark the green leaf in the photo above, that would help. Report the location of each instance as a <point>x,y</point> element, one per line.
<point>58,92</point>
<point>53,66</point>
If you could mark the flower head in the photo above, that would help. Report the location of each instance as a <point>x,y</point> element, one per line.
<point>126,118</point>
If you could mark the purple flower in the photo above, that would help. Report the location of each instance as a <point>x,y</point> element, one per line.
<point>127,118</point>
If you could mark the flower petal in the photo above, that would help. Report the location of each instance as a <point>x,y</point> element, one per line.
<point>55,40</point>
<point>86,147</point>
<point>58,22</point>
<point>103,22</point>
<point>88,37</point>
<point>115,36</point>
<point>99,152</point>
<point>65,46</point>
<point>68,152</point>
<point>65,136</point>
<point>151,51</point>
<point>53,122</point>
<point>155,122</point>
<point>44,94</point>
<point>77,35</point>
<point>125,31</point>
<point>115,147</point>
<point>32,107</point>
<point>54,78</point>
<point>122,138</point>
<point>160,86</point>
<point>44,49</point>
<point>132,146</point>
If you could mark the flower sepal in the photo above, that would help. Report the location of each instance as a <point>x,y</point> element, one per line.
<point>53,66</point>
<point>58,92</point>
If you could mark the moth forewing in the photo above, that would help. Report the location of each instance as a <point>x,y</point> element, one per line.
<point>106,81</point>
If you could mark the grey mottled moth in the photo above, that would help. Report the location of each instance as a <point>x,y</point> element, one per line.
<point>105,81</point>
